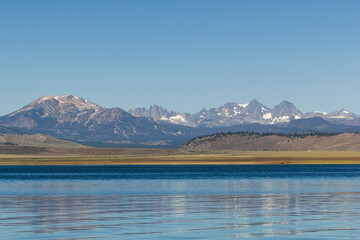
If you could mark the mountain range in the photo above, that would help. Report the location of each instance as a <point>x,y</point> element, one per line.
<point>74,118</point>
<point>232,114</point>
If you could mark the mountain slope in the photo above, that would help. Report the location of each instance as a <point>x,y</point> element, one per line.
<point>76,118</point>
<point>6,130</point>
<point>284,112</point>
<point>306,125</point>
<point>51,111</point>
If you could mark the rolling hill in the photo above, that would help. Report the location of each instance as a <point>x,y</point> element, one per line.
<point>275,142</point>
<point>36,140</point>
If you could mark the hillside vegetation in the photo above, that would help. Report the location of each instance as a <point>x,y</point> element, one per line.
<point>36,140</point>
<point>275,142</point>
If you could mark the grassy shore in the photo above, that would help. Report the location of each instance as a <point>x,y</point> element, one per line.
<point>188,158</point>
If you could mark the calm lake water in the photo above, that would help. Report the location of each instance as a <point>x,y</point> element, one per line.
<point>180,202</point>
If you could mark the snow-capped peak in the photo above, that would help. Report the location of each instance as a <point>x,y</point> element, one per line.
<point>68,103</point>
<point>69,100</point>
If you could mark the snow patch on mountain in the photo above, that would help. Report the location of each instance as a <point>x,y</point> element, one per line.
<point>320,112</point>
<point>243,105</point>
<point>281,119</point>
<point>174,119</point>
<point>267,116</point>
<point>232,114</point>
<point>340,117</point>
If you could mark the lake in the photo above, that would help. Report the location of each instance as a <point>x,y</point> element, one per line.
<point>180,202</point>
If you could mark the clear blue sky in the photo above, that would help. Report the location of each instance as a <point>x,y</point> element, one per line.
<point>183,55</point>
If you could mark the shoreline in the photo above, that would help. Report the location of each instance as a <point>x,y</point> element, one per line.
<point>189,158</point>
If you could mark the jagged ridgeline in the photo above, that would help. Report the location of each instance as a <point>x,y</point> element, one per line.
<point>74,118</point>
<point>232,114</point>
<point>250,141</point>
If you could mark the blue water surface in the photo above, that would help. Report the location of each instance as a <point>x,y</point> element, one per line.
<point>180,202</point>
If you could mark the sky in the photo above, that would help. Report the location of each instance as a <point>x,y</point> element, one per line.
<point>183,55</point>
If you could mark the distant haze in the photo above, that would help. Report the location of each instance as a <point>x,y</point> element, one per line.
<point>182,55</point>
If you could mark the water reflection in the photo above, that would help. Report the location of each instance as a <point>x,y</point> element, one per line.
<point>183,214</point>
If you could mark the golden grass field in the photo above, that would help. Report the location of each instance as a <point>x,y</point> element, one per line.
<point>178,157</point>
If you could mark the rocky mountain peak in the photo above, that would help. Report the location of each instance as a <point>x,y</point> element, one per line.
<point>254,102</point>
<point>65,101</point>
<point>154,111</point>
<point>284,112</point>
<point>341,114</point>
<point>285,103</point>
<point>59,109</point>
<point>285,108</point>
<point>232,114</point>
<point>157,112</point>
<point>54,105</point>
<point>256,110</point>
